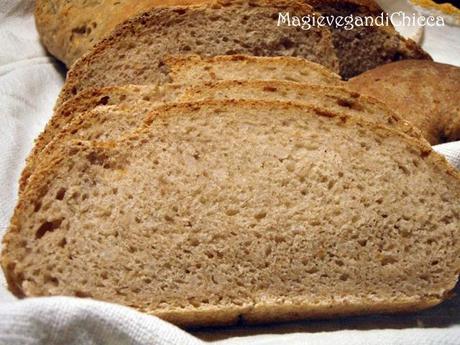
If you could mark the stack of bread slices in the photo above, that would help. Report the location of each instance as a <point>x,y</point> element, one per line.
<point>213,189</point>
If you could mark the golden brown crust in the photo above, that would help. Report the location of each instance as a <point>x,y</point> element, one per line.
<point>423,92</point>
<point>284,311</point>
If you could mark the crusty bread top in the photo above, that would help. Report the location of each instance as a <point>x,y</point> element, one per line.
<point>242,210</point>
<point>134,52</point>
<point>425,93</point>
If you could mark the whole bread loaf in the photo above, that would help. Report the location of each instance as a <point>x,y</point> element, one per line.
<point>75,118</point>
<point>425,93</point>
<point>70,28</point>
<point>220,212</point>
<point>134,53</point>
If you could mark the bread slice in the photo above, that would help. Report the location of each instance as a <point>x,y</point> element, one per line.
<point>68,29</point>
<point>364,47</point>
<point>246,67</point>
<point>329,98</point>
<point>425,93</point>
<point>86,124</point>
<point>71,28</point>
<point>220,212</point>
<point>134,52</point>
<point>193,69</point>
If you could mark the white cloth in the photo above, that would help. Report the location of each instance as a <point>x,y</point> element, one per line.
<point>29,84</point>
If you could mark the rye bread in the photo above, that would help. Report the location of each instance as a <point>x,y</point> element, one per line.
<point>134,53</point>
<point>221,212</point>
<point>75,119</point>
<point>425,93</point>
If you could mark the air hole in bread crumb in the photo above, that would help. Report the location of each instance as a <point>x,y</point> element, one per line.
<point>37,206</point>
<point>404,169</point>
<point>194,241</point>
<point>362,243</point>
<point>51,280</point>
<point>60,193</point>
<point>62,243</point>
<point>425,277</point>
<point>260,215</point>
<point>48,227</point>
<point>344,277</point>
<point>312,270</point>
<point>82,294</point>
<point>104,100</point>
<point>388,260</point>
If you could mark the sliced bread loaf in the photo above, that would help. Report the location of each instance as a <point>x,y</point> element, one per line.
<point>241,211</point>
<point>425,93</point>
<point>70,28</point>
<point>134,52</point>
<point>85,124</point>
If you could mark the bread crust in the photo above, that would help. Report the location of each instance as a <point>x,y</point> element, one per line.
<point>272,310</point>
<point>425,93</point>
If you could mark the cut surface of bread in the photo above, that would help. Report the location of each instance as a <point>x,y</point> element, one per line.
<point>365,47</point>
<point>70,28</point>
<point>425,93</point>
<point>106,122</point>
<point>134,52</point>
<point>192,69</point>
<point>220,212</point>
<point>247,67</point>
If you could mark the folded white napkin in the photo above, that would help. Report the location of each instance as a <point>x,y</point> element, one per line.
<point>75,321</point>
<point>29,84</point>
